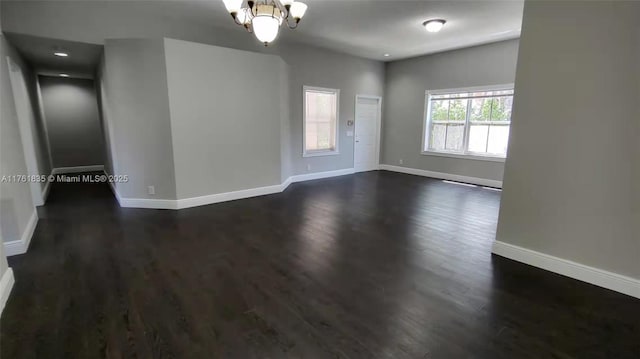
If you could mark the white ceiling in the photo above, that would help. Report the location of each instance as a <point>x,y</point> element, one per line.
<point>366,28</point>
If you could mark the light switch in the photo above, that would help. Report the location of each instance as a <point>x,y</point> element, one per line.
<point>349,133</point>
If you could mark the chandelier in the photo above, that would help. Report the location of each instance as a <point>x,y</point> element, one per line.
<point>264,17</point>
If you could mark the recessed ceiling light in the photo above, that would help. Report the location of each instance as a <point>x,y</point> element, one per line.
<point>64,75</point>
<point>434,25</point>
<point>386,55</point>
<point>61,54</point>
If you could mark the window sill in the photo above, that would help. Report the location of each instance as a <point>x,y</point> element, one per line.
<point>464,156</point>
<point>320,153</point>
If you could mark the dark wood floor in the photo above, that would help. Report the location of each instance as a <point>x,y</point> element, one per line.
<point>374,265</point>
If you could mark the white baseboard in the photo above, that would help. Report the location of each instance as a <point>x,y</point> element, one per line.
<point>223,197</point>
<point>444,176</point>
<point>6,284</point>
<point>147,203</point>
<point>228,196</point>
<point>595,276</point>
<point>319,175</point>
<point>77,169</point>
<point>20,246</point>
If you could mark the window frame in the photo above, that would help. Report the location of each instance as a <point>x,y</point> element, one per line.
<point>465,154</point>
<point>316,153</point>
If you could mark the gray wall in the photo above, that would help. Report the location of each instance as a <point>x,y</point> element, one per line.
<point>135,107</point>
<point>221,143</point>
<point>572,184</point>
<point>3,259</point>
<point>38,127</point>
<point>103,116</point>
<point>308,65</point>
<point>317,67</point>
<point>16,205</point>
<point>71,114</point>
<point>406,83</point>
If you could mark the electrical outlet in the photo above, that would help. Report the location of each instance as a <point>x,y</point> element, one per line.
<point>308,167</point>
<point>151,189</point>
<point>401,161</point>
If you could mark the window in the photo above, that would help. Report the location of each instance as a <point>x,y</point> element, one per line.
<point>320,121</point>
<point>468,122</point>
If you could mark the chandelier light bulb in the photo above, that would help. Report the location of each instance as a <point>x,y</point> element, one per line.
<point>264,17</point>
<point>265,28</point>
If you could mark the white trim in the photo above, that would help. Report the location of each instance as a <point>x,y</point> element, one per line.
<point>336,150</point>
<point>320,153</point>
<point>442,175</point>
<point>319,175</point>
<point>498,87</point>
<point>223,197</point>
<point>228,196</point>
<point>147,203</point>
<point>78,169</point>
<point>20,246</point>
<point>464,156</point>
<point>613,281</point>
<point>6,284</point>
<point>426,127</point>
<point>378,127</point>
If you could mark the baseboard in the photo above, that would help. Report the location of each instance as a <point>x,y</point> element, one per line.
<point>595,276</point>
<point>444,176</point>
<point>20,246</point>
<point>77,169</point>
<point>147,203</point>
<point>6,284</point>
<point>228,196</point>
<point>223,197</point>
<point>319,175</point>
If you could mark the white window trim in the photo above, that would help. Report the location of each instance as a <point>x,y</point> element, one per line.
<point>425,124</point>
<point>317,153</point>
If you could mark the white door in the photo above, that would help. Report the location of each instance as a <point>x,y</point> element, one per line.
<point>367,126</point>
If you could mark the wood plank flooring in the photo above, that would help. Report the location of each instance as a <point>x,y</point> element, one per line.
<point>372,265</point>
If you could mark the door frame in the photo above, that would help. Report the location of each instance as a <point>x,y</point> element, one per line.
<point>378,130</point>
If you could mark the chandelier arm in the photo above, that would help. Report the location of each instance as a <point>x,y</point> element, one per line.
<point>235,19</point>
<point>295,24</point>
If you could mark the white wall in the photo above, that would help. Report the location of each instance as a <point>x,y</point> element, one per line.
<point>225,117</point>
<point>71,114</point>
<point>135,108</point>
<point>406,83</point>
<point>572,184</point>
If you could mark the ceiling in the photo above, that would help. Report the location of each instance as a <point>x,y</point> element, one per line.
<point>38,51</point>
<point>371,28</point>
<point>365,28</point>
